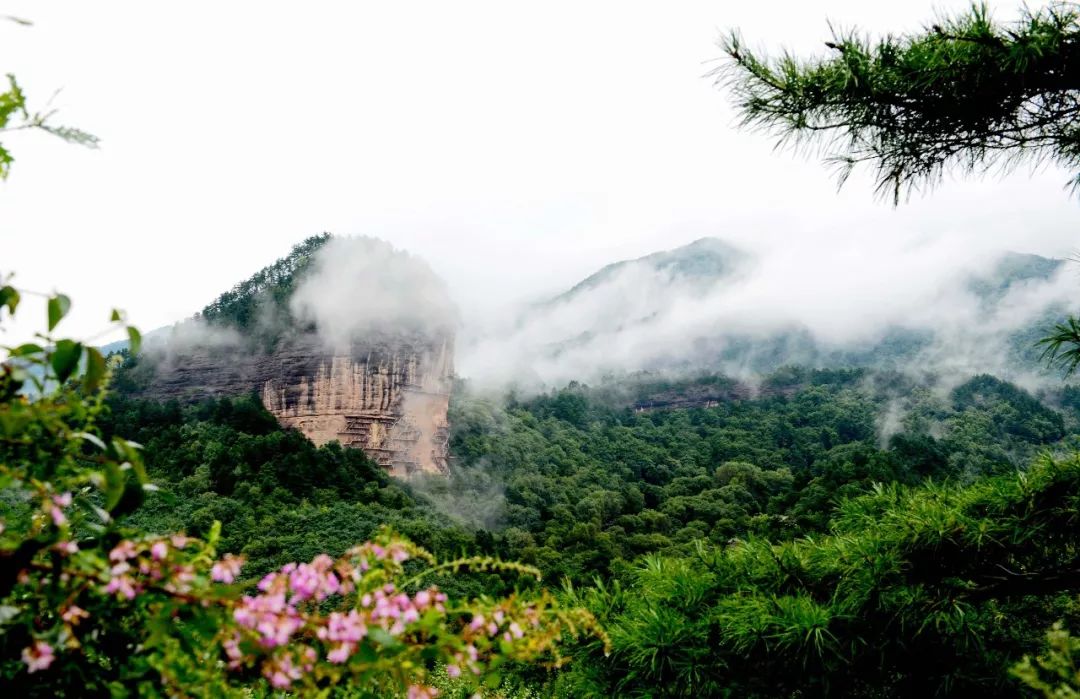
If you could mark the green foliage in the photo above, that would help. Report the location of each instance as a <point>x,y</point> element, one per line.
<point>1053,673</point>
<point>93,604</point>
<point>279,497</point>
<point>915,591</point>
<point>590,480</point>
<point>1062,345</point>
<point>967,93</point>
<point>15,116</point>
<point>259,306</point>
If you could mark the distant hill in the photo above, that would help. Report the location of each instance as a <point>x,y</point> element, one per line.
<point>1011,269</point>
<point>648,309</point>
<point>703,262</point>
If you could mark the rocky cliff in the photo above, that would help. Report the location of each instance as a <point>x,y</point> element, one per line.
<point>387,394</point>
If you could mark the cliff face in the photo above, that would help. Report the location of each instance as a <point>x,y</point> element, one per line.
<point>387,398</point>
<point>387,395</point>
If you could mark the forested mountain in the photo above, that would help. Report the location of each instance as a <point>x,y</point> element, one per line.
<point>701,308</point>
<point>660,497</point>
<point>703,262</point>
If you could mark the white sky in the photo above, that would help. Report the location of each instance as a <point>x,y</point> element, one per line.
<point>515,146</point>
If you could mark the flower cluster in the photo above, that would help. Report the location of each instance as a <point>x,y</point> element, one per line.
<point>281,613</point>
<point>56,506</point>
<point>82,573</point>
<point>133,566</point>
<point>283,630</point>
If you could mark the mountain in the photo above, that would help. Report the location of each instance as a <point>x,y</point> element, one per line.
<point>702,262</point>
<point>712,306</point>
<point>385,390</point>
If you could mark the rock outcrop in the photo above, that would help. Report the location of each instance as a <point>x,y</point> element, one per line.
<point>387,394</point>
<point>388,398</point>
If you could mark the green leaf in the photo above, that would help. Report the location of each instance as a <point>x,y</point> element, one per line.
<point>134,339</point>
<point>131,499</point>
<point>7,613</point>
<point>114,485</point>
<point>382,637</point>
<point>492,680</point>
<point>116,316</point>
<point>9,295</point>
<point>65,358</point>
<point>164,496</point>
<point>59,306</point>
<point>93,439</point>
<point>25,349</point>
<point>126,449</point>
<point>95,369</point>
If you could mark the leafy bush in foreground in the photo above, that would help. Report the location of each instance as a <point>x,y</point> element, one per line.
<point>91,606</point>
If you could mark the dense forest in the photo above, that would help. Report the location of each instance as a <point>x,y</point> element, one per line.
<point>642,509</point>
<point>857,531</point>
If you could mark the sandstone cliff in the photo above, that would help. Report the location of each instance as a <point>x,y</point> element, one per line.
<point>387,394</point>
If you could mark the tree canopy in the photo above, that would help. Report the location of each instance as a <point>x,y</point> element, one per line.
<point>965,93</point>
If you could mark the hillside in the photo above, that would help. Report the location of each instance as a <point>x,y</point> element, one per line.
<point>384,390</point>
<point>704,262</point>
<point>701,308</point>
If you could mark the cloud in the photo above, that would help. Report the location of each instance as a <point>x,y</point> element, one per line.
<point>792,304</point>
<point>358,286</point>
<point>188,337</point>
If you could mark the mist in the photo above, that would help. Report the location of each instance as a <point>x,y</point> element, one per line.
<point>193,335</point>
<point>361,285</point>
<point>788,305</point>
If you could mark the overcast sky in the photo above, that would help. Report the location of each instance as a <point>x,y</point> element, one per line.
<point>515,146</point>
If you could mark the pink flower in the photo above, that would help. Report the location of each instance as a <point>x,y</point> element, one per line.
<point>182,577</point>
<point>419,692</point>
<point>515,630</point>
<point>122,585</point>
<point>66,547</point>
<point>344,627</point>
<point>159,550</point>
<point>38,656</point>
<point>58,517</point>
<point>233,652</point>
<point>227,569</point>
<point>62,500</point>
<point>309,657</point>
<point>453,671</point>
<point>340,653</point>
<point>74,614</point>
<point>314,580</point>
<point>123,551</point>
<point>270,616</point>
<point>280,671</point>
